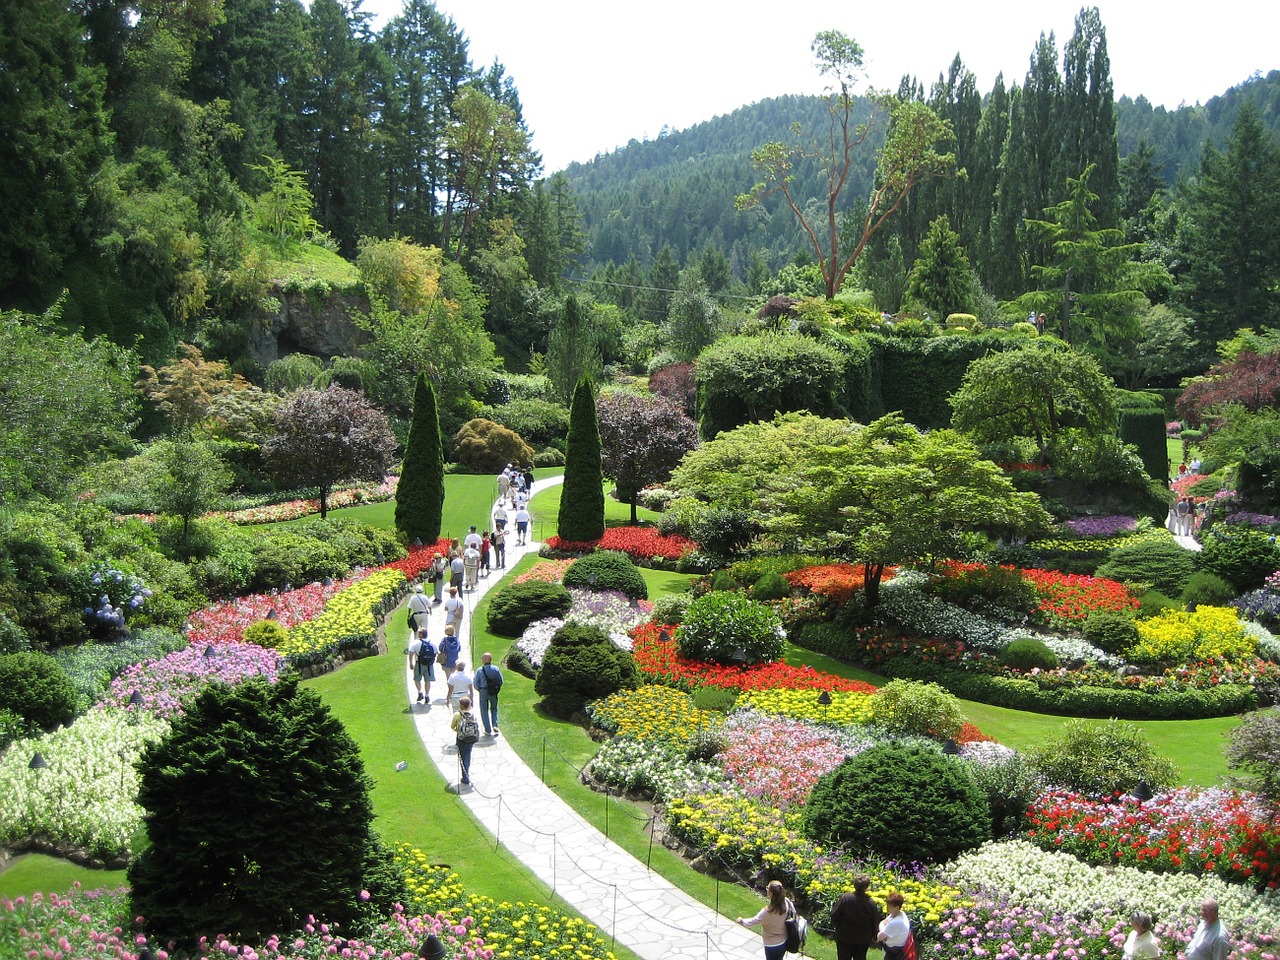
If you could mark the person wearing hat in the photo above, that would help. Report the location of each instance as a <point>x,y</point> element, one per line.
<point>419,610</point>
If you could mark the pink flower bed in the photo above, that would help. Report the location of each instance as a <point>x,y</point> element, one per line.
<point>225,622</point>
<point>165,683</point>
<point>778,759</point>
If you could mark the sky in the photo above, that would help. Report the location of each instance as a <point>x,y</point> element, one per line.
<point>593,75</point>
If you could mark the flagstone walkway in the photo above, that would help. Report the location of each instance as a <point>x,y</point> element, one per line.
<point>609,886</point>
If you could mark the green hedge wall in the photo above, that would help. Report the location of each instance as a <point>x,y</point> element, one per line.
<point>917,376</point>
<point>1144,428</point>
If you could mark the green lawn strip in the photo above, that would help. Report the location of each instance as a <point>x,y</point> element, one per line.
<point>415,805</point>
<point>545,509</point>
<point>34,872</point>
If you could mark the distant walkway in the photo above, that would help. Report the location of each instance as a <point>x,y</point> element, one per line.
<point>1187,542</point>
<point>626,900</point>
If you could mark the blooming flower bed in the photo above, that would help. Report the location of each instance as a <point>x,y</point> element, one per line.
<point>295,509</point>
<point>1224,832</point>
<point>848,708</point>
<point>545,571</point>
<point>1206,633</point>
<point>349,619</point>
<point>226,622</point>
<point>836,581</point>
<point>651,713</point>
<point>1110,526</point>
<point>165,684</point>
<point>641,543</point>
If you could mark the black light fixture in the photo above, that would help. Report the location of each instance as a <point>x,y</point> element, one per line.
<point>37,762</point>
<point>271,614</point>
<point>664,635</point>
<point>432,948</point>
<point>146,954</point>
<point>135,699</point>
<point>209,652</point>
<point>951,748</point>
<point>824,698</point>
<point>739,657</point>
<point>417,543</point>
<point>327,582</point>
<point>1143,792</point>
<point>380,557</point>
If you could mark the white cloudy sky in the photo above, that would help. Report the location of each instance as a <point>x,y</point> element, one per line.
<point>593,75</point>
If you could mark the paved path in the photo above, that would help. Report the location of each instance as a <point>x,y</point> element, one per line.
<point>638,907</point>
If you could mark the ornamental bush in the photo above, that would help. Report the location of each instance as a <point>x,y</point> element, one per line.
<point>989,585</point>
<point>723,624</point>
<point>1243,557</point>
<point>1028,653</point>
<point>36,688</point>
<point>582,664</point>
<point>900,802</point>
<point>1207,588</point>
<point>770,587</point>
<point>1253,750</point>
<point>925,709</point>
<point>266,633</point>
<point>670,608</point>
<point>1110,630</point>
<point>1101,759</point>
<point>1159,563</point>
<point>607,570</point>
<point>482,446</point>
<point>514,607</point>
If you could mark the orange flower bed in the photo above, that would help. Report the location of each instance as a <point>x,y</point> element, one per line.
<point>837,581</point>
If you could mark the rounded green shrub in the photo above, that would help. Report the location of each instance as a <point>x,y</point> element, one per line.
<point>772,586</point>
<point>13,639</point>
<point>1028,653</point>
<point>1159,563</point>
<point>1011,784</point>
<point>265,633</point>
<point>1111,630</point>
<point>728,627</point>
<point>1101,759</point>
<point>607,570</point>
<point>1207,589</point>
<point>36,688</point>
<point>1152,603</point>
<point>899,802</point>
<point>992,585</point>
<point>482,446</point>
<point>582,664</point>
<point>1242,557</point>
<point>926,709</point>
<point>723,580</point>
<point>670,608</point>
<point>513,608</point>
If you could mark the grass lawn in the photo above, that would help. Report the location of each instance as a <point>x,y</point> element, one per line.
<point>35,871</point>
<point>545,509</point>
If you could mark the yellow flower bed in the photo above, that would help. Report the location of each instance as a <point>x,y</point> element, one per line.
<point>349,614</point>
<point>847,708</point>
<point>652,712</point>
<point>1208,633</point>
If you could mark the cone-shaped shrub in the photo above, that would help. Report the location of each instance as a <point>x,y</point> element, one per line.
<point>420,493</point>
<point>582,496</point>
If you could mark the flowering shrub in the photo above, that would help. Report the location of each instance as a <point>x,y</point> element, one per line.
<point>651,713</point>
<point>660,662</point>
<point>112,597</point>
<point>611,610</point>
<point>723,625</point>
<point>1207,633</point>
<point>350,618</point>
<point>166,683</point>
<point>1224,832</point>
<point>295,509</point>
<point>640,543</point>
<point>1066,599</point>
<point>1250,519</point>
<point>836,581</point>
<point>535,640</point>
<point>418,559</point>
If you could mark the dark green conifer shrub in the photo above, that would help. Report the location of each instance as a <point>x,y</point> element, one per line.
<point>582,664</point>
<point>1209,589</point>
<point>899,802</point>
<point>1242,557</point>
<point>420,492</point>
<point>723,580</point>
<point>582,496</point>
<point>36,688</point>
<point>772,586</point>
<point>607,570</point>
<point>1112,630</point>
<point>1159,563</point>
<point>1028,653</point>
<point>514,607</point>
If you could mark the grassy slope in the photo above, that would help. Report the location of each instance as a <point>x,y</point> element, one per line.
<point>545,509</point>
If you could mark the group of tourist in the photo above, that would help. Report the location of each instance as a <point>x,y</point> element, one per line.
<point>859,923</point>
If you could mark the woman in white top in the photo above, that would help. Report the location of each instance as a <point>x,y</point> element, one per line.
<point>772,920</point>
<point>1141,942</point>
<point>895,928</point>
<point>459,686</point>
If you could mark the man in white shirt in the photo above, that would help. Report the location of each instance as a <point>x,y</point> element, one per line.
<point>470,564</point>
<point>1211,940</point>
<point>419,610</point>
<point>459,685</point>
<point>522,525</point>
<point>473,539</point>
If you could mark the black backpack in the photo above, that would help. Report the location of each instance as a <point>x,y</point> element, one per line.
<point>427,652</point>
<point>492,680</point>
<point>468,728</point>
<point>797,929</point>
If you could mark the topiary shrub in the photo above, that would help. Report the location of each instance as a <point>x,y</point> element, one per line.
<point>987,585</point>
<point>607,570</point>
<point>1111,630</point>
<point>581,516</point>
<point>1243,557</point>
<point>1011,784</point>
<point>274,749</point>
<point>1159,563</point>
<point>1028,653</point>
<point>728,627</point>
<point>1152,603</point>
<point>265,633</point>
<point>723,580</point>
<point>550,457</point>
<point>1207,588</point>
<point>899,802</point>
<point>513,608</point>
<point>1101,759</point>
<point>36,688</point>
<point>582,664</point>
<point>905,706</point>
<point>771,586</point>
<point>482,446</point>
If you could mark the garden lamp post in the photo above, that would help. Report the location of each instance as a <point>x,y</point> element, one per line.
<point>1143,792</point>
<point>432,948</point>
<point>664,635</point>
<point>37,762</point>
<point>951,748</point>
<point>209,652</point>
<point>824,701</point>
<point>739,658</point>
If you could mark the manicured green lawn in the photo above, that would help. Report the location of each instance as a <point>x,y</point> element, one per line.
<point>545,509</point>
<point>35,871</point>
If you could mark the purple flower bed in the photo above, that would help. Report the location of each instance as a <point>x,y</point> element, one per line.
<point>1260,606</point>
<point>1111,526</point>
<point>1252,519</point>
<point>165,683</point>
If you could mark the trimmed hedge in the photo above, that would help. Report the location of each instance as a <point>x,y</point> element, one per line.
<point>1144,428</point>
<point>607,570</point>
<point>513,608</point>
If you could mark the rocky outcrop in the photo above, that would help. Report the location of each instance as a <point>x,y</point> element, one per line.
<point>307,322</point>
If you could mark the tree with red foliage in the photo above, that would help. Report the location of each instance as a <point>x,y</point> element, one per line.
<point>1249,380</point>
<point>642,440</point>
<point>677,383</point>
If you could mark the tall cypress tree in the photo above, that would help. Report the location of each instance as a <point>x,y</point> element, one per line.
<point>582,497</point>
<point>420,495</point>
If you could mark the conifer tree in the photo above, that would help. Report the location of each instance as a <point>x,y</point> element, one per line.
<point>420,495</point>
<point>582,496</point>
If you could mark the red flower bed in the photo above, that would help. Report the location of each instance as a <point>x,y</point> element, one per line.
<point>420,558</point>
<point>225,622</point>
<point>838,581</point>
<point>641,543</point>
<point>1067,598</point>
<point>659,662</point>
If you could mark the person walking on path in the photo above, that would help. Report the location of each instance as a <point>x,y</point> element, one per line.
<point>457,570</point>
<point>488,682</point>
<point>522,525</point>
<point>855,918</point>
<point>472,539</point>
<point>486,550</point>
<point>772,921</point>
<point>422,654</point>
<point>894,929</point>
<point>450,649</point>
<point>460,687</point>
<point>439,574</point>
<point>1211,940</point>
<point>419,610</point>
<point>504,485</point>
<point>454,608</point>
<point>464,725</point>
<point>500,517</point>
<point>500,547</point>
<point>1186,510</point>
<point>470,567</point>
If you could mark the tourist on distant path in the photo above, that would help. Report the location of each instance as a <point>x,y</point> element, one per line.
<point>1186,510</point>
<point>422,654</point>
<point>472,539</point>
<point>460,687</point>
<point>488,682</point>
<point>457,569</point>
<point>1196,465</point>
<point>522,525</point>
<point>528,481</point>
<point>1141,944</point>
<point>855,919</point>
<point>500,547</point>
<point>504,485</point>
<point>500,517</point>
<point>895,928</point>
<point>465,746</point>
<point>1211,940</point>
<point>486,548</point>
<point>470,566</point>
<point>439,574</point>
<point>454,607</point>
<point>419,610</point>
<point>772,921</point>
<point>449,649</point>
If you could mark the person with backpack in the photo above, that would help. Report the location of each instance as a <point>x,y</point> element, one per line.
<point>422,654</point>
<point>772,921</point>
<point>468,732</point>
<point>488,681</point>
<point>460,687</point>
<point>450,647</point>
<point>419,610</point>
